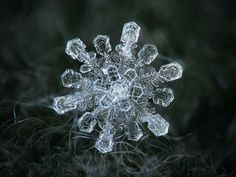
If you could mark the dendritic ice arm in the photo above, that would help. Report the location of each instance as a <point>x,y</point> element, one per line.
<point>115,91</point>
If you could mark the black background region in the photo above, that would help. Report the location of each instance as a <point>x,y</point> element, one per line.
<point>35,141</point>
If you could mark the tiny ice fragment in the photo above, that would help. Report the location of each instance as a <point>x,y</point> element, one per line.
<point>102,44</point>
<point>134,132</point>
<point>87,122</point>
<point>157,125</point>
<point>105,141</point>
<point>124,105</point>
<point>130,75</point>
<point>74,47</point>
<point>171,71</point>
<point>64,104</point>
<point>148,53</point>
<point>85,68</point>
<point>112,73</point>
<point>137,91</point>
<point>119,90</point>
<point>71,78</point>
<point>106,101</point>
<point>125,50</point>
<point>163,97</point>
<point>130,33</point>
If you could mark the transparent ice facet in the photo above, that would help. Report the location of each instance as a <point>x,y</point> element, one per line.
<point>115,58</point>
<point>101,84</point>
<point>163,97</point>
<point>137,91</point>
<point>85,68</point>
<point>84,57</point>
<point>90,57</point>
<point>71,78</point>
<point>124,50</point>
<point>74,47</point>
<point>142,118</point>
<point>64,104</point>
<point>124,105</point>
<point>148,53</point>
<point>112,73</point>
<point>134,132</point>
<point>103,117</point>
<point>156,80</point>
<point>130,75</point>
<point>85,83</point>
<point>81,106</point>
<point>81,100</point>
<point>171,71</point>
<point>157,125</point>
<point>107,100</point>
<point>130,33</point>
<point>102,44</point>
<point>105,141</point>
<point>87,122</point>
<point>119,90</point>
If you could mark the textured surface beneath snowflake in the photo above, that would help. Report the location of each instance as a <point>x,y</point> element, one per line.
<point>117,90</point>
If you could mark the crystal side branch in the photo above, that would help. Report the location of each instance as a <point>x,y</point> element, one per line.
<point>116,91</point>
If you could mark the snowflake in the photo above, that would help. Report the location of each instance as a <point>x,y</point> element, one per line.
<point>117,90</point>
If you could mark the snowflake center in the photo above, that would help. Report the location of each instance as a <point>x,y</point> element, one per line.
<point>120,90</point>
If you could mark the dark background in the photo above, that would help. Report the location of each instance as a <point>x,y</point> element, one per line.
<point>35,141</point>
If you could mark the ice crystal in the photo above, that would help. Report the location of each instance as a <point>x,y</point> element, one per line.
<point>117,90</point>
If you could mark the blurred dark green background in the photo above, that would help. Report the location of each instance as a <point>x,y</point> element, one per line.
<point>198,34</point>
